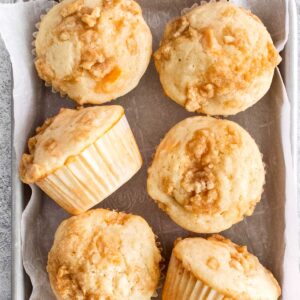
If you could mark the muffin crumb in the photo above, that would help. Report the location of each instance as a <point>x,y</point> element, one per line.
<point>213,263</point>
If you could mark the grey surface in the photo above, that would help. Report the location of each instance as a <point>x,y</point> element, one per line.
<point>5,155</point>
<point>5,169</point>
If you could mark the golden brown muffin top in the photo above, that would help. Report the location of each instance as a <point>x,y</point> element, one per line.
<point>207,174</point>
<point>93,50</point>
<point>64,136</point>
<point>216,59</point>
<point>104,254</point>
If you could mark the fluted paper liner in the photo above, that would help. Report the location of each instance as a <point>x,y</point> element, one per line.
<point>181,284</point>
<point>99,170</point>
<point>33,50</point>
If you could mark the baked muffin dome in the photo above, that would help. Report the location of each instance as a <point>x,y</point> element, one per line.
<point>207,174</point>
<point>93,50</point>
<point>217,59</point>
<point>104,254</point>
<point>81,156</point>
<point>216,268</point>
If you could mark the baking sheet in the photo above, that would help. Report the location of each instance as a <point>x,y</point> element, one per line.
<point>150,115</point>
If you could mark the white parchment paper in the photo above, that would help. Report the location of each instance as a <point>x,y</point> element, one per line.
<point>270,233</point>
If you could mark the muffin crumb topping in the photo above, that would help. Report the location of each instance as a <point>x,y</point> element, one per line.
<point>240,259</point>
<point>213,263</point>
<point>206,152</point>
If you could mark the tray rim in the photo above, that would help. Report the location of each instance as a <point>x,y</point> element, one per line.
<point>289,72</point>
<point>290,75</point>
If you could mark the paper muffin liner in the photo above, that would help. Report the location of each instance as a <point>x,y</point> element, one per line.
<point>33,51</point>
<point>100,169</point>
<point>181,284</point>
<point>162,266</point>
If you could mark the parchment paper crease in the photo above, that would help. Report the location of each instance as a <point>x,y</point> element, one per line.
<point>271,233</point>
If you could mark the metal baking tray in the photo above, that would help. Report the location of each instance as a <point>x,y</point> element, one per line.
<point>21,287</point>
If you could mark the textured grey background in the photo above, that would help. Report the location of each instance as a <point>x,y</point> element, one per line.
<point>5,168</point>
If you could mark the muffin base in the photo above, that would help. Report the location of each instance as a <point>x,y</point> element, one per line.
<point>181,284</point>
<point>100,169</point>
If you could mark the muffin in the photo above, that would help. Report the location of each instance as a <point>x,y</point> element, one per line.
<point>93,50</point>
<point>217,59</point>
<point>79,157</point>
<point>207,174</point>
<point>216,268</point>
<point>104,254</point>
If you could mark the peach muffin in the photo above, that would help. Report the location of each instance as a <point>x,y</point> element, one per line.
<point>80,157</point>
<point>104,254</point>
<point>93,50</point>
<point>216,59</point>
<point>216,268</point>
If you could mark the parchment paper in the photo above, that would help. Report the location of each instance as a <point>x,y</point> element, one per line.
<point>270,233</point>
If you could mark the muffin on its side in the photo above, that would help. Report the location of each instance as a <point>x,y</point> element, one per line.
<point>207,174</point>
<point>93,50</point>
<point>216,268</point>
<point>217,59</point>
<point>104,254</point>
<point>79,157</point>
